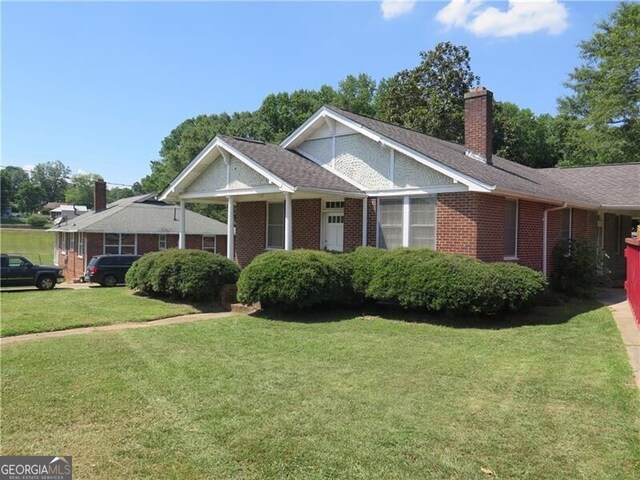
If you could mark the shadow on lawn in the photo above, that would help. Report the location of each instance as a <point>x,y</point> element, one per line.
<point>561,311</point>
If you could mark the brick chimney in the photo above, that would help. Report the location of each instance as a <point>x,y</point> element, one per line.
<point>478,123</point>
<point>99,195</point>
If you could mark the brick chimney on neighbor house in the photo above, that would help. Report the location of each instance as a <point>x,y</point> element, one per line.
<point>99,195</point>
<point>478,123</point>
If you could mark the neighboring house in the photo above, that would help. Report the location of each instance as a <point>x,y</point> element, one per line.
<point>65,212</point>
<point>135,225</point>
<point>342,180</point>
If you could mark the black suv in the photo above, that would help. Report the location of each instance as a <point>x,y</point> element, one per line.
<point>109,270</point>
<point>18,271</point>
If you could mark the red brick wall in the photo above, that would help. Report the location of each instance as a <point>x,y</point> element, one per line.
<point>306,223</point>
<point>530,225</point>
<point>352,223</point>
<point>74,265</point>
<point>72,261</point>
<point>490,220</point>
<point>456,228</point>
<point>584,224</point>
<point>251,231</point>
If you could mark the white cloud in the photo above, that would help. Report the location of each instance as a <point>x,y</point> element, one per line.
<point>395,8</point>
<point>521,16</point>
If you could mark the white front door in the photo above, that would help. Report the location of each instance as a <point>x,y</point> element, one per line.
<point>333,231</point>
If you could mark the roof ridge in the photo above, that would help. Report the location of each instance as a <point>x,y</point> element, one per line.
<point>570,167</point>
<point>243,139</point>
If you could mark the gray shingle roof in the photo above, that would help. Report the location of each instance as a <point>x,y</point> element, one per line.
<point>290,166</point>
<point>503,174</point>
<point>608,185</point>
<point>141,214</point>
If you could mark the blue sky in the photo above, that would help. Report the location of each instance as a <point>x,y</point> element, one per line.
<point>99,85</point>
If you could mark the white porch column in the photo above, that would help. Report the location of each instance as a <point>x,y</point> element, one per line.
<point>365,202</point>
<point>230,229</point>
<point>288,231</point>
<point>182,237</point>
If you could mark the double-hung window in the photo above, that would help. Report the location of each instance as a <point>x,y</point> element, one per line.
<point>209,244</point>
<point>275,225</point>
<point>80,244</point>
<point>162,241</point>
<point>407,222</point>
<point>510,228</point>
<point>119,243</point>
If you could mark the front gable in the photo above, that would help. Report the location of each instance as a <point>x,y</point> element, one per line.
<point>369,164</point>
<point>220,176</point>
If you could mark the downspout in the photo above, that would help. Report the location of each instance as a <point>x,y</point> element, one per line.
<point>544,235</point>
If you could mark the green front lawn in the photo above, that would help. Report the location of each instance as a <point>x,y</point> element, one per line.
<point>31,311</point>
<point>36,245</point>
<point>363,397</point>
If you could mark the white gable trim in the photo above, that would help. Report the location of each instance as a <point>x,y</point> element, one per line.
<point>284,186</point>
<point>472,183</point>
<point>223,147</point>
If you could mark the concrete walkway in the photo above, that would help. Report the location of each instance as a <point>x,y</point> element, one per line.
<point>616,300</point>
<point>196,317</point>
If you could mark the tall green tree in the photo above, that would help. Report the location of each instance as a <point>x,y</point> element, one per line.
<point>430,97</point>
<point>30,197</point>
<point>80,189</point>
<point>52,178</point>
<point>357,94</point>
<point>12,178</point>
<point>521,136</point>
<point>601,121</point>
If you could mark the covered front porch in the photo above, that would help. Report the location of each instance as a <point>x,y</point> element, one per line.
<point>275,199</point>
<point>286,220</point>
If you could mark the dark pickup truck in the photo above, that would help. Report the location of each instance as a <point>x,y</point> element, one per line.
<point>18,271</point>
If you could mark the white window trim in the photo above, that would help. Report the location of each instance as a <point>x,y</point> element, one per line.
<point>515,256</point>
<point>406,219</point>
<point>104,243</point>
<point>215,243</point>
<point>266,242</point>
<point>80,250</point>
<point>162,235</point>
<point>63,248</point>
<point>72,242</point>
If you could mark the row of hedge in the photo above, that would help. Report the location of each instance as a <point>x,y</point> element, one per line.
<point>418,279</point>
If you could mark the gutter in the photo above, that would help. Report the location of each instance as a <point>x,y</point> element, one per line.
<point>544,235</point>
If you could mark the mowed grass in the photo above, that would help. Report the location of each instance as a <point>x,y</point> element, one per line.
<point>31,311</point>
<point>36,245</point>
<point>362,397</point>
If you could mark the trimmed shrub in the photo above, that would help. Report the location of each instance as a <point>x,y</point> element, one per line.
<point>431,281</point>
<point>576,268</point>
<point>296,279</point>
<point>183,274</point>
<point>363,264</point>
<point>37,221</point>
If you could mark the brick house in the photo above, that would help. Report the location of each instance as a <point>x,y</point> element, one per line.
<point>136,225</point>
<point>342,180</point>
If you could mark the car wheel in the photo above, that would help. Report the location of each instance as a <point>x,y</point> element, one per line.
<point>46,283</point>
<point>109,281</point>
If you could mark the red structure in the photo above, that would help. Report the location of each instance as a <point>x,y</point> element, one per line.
<point>632,284</point>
